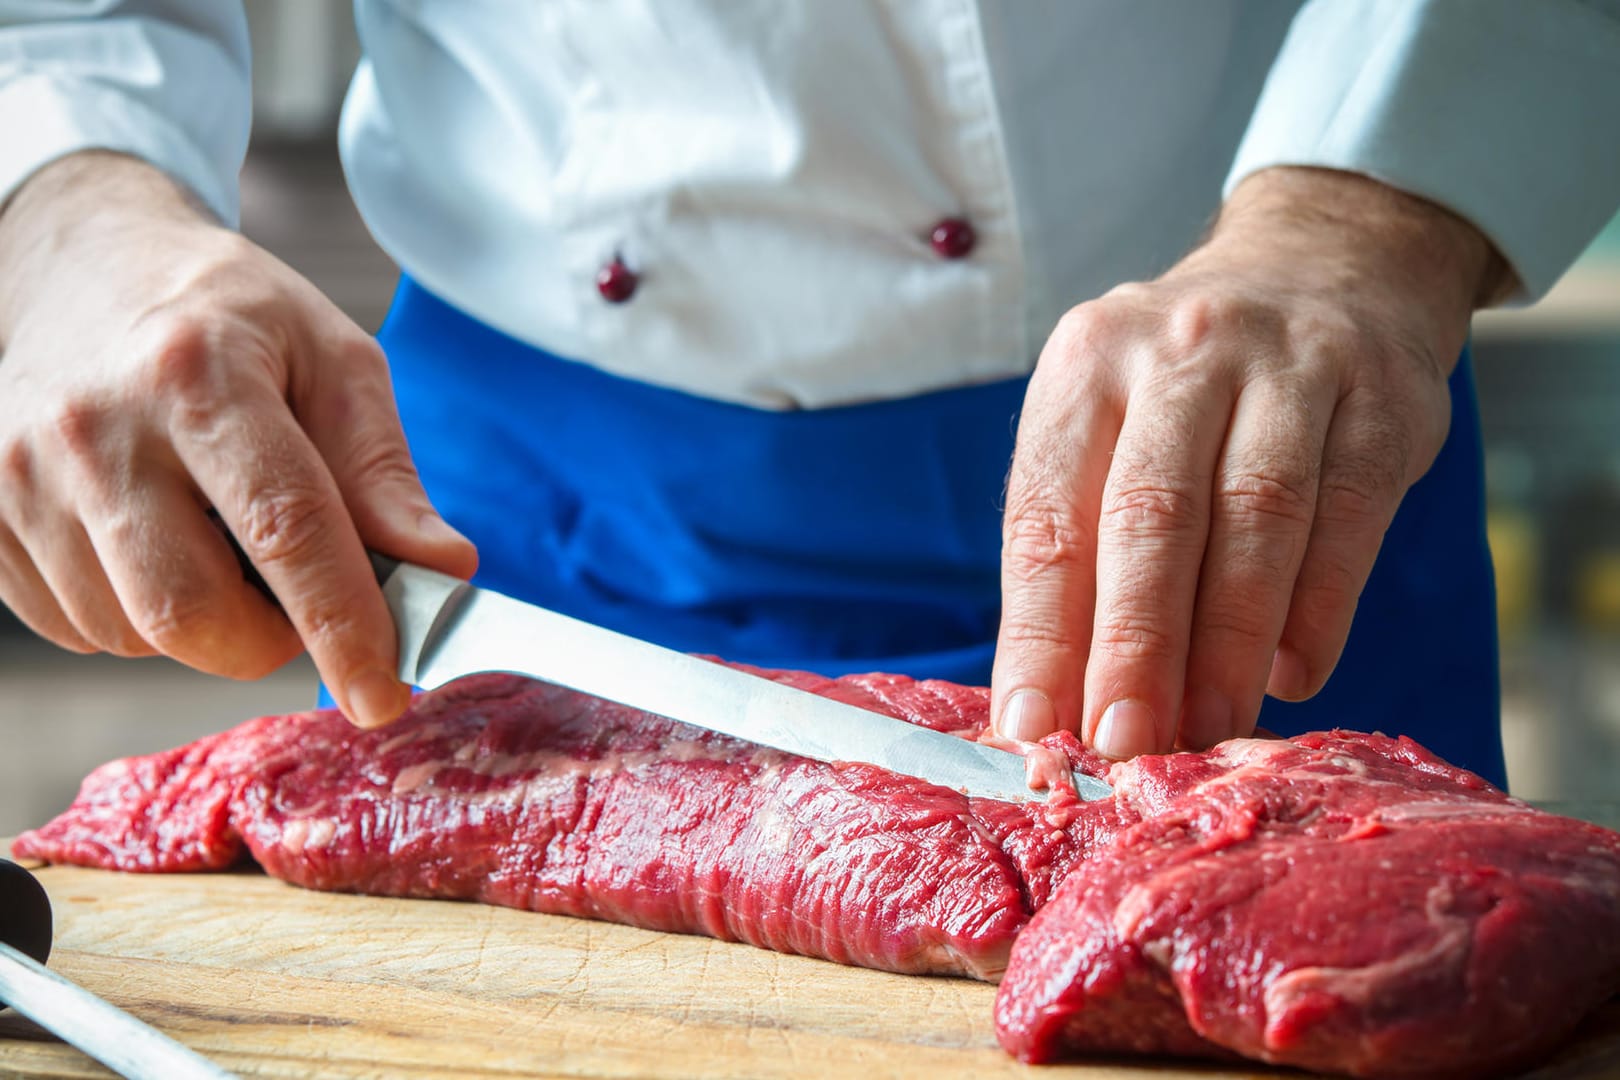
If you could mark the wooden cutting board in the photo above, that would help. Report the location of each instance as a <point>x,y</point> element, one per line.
<point>273,981</point>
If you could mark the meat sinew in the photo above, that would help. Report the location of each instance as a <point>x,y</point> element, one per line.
<point>1344,902</point>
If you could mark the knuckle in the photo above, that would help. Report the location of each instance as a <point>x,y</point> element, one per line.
<point>188,624</point>
<point>255,664</point>
<point>1195,318</point>
<point>1327,593</point>
<point>252,668</point>
<point>172,621</point>
<point>1036,633</point>
<point>17,465</point>
<point>108,628</point>
<point>80,426</point>
<point>285,527</point>
<point>59,630</point>
<point>1239,618</point>
<point>125,643</point>
<point>1361,489</point>
<point>1131,635</point>
<point>1086,329</point>
<point>1403,392</point>
<point>49,622</point>
<point>362,352</point>
<point>1039,537</point>
<point>1126,295</point>
<point>1149,508</point>
<point>1257,495</point>
<point>1351,501</point>
<point>384,462</point>
<point>179,361</point>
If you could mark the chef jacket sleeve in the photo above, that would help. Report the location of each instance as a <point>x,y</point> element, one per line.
<point>1507,112</point>
<point>163,80</point>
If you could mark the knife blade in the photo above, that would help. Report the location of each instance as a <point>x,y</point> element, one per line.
<point>448,628</point>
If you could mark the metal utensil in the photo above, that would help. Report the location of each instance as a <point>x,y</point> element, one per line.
<point>448,629</point>
<point>107,1033</point>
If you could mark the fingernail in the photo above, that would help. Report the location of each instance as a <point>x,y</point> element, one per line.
<point>1027,716</point>
<point>1206,719</point>
<point>436,530</point>
<point>1288,675</point>
<point>377,698</point>
<point>1126,730</point>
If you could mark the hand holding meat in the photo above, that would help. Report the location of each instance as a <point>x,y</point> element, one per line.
<point>1206,464</point>
<point>155,366</point>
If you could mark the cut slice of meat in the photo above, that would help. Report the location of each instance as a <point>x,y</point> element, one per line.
<point>1340,901</point>
<point>518,793</point>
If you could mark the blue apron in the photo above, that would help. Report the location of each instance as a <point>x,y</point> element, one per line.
<point>862,538</point>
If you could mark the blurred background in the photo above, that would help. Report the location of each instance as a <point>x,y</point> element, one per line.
<point>1549,382</point>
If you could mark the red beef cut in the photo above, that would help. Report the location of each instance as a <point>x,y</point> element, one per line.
<point>518,793</point>
<point>1343,902</point>
<point>1338,902</point>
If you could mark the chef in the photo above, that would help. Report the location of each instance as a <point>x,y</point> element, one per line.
<point>718,323</point>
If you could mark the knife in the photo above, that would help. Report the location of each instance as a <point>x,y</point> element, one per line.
<point>107,1033</point>
<point>448,628</point>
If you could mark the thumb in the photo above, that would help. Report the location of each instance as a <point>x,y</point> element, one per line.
<point>349,414</point>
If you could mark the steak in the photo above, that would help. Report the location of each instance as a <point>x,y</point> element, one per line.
<point>1337,901</point>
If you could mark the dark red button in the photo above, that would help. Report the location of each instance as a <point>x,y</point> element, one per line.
<point>952,238</point>
<point>616,282</point>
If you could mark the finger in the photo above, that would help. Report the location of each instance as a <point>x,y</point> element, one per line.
<point>350,416</point>
<point>181,588</point>
<point>70,567</point>
<point>1260,524</point>
<point>1151,534</point>
<point>272,489</point>
<point>24,591</point>
<point>1049,560</point>
<point>1366,467</point>
<point>22,586</point>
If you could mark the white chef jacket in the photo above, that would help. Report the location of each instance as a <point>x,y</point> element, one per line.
<point>771,170</point>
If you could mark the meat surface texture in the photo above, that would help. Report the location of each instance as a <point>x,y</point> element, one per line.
<point>519,793</point>
<point>1339,902</point>
<point>1342,902</point>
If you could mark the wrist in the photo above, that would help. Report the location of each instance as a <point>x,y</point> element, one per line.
<point>70,213</point>
<point>1370,232</point>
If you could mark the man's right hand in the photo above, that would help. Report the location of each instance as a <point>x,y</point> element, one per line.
<point>155,366</point>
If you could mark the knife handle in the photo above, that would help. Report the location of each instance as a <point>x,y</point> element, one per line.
<point>382,566</point>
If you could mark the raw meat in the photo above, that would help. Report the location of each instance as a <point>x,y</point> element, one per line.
<point>518,793</point>
<point>1339,902</point>
<point>1343,902</point>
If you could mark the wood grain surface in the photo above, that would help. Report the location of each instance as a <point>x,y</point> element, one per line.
<point>274,981</point>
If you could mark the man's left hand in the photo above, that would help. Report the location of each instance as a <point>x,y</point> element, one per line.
<point>1207,463</point>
